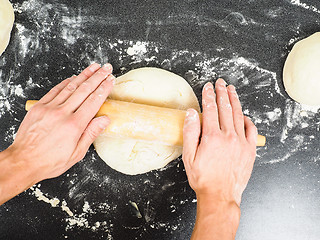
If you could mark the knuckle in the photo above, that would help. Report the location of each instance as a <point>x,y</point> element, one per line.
<point>97,94</point>
<point>74,123</point>
<point>209,133</point>
<point>66,81</point>
<point>239,115</point>
<point>232,137</point>
<point>71,86</point>
<point>209,103</point>
<point>60,86</point>
<point>91,133</point>
<point>85,88</point>
<point>103,73</point>
<point>86,73</point>
<point>58,112</point>
<point>54,90</point>
<point>39,109</point>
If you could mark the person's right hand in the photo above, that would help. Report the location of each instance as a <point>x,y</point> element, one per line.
<point>219,164</point>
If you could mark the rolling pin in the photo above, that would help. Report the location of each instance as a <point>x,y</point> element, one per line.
<point>144,122</point>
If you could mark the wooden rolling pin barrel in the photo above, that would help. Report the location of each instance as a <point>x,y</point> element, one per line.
<point>144,122</point>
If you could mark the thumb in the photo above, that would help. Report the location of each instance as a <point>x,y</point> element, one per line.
<point>191,134</point>
<point>92,131</point>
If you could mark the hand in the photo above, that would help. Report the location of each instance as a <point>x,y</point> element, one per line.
<point>219,164</point>
<point>57,131</point>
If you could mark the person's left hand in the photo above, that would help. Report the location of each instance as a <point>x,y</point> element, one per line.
<point>58,130</point>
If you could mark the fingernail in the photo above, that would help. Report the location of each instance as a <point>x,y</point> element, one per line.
<point>191,114</point>
<point>208,85</point>
<point>232,90</point>
<point>111,78</point>
<point>210,94</point>
<point>94,67</point>
<point>107,67</point>
<point>221,82</point>
<point>104,121</point>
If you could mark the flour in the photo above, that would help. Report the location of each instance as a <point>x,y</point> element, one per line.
<point>296,115</point>
<point>298,141</point>
<point>310,109</point>
<point>274,115</point>
<point>18,91</point>
<point>73,220</point>
<point>305,6</point>
<point>71,28</point>
<point>11,133</point>
<point>54,202</point>
<point>139,48</point>
<point>66,209</point>
<point>12,92</point>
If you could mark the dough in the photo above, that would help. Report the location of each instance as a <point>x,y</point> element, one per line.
<point>301,73</point>
<point>6,23</point>
<point>151,86</point>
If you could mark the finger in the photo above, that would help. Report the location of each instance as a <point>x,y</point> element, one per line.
<point>238,119</point>
<point>224,107</point>
<point>251,131</point>
<point>66,92</point>
<point>56,90</point>
<point>210,120</point>
<point>87,87</point>
<point>191,134</point>
<point>92,131</point>
<point>92,104</point>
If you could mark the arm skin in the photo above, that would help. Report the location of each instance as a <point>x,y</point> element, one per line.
<point>218,164</point>
<point>57,132</point>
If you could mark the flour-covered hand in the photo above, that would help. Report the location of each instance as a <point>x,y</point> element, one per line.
<point>57,132</point>
<point>219,164</point>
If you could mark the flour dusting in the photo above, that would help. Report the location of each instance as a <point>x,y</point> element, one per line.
<point>72,220</point>
<point>305,5</point>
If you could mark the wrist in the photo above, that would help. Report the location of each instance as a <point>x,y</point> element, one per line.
<point>16,174</point>
<point>215,204</point>
<point>24,164</point>
<point>218,198</point>
<point>216,218</point>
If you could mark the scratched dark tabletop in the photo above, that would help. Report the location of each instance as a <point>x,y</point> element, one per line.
<point>246,42</point>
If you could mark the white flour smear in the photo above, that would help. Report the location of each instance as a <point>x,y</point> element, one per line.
<point>305,6</point>
<point>72,219</point>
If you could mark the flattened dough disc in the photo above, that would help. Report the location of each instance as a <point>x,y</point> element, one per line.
<point>301,72</point>
<point>6,23</point>
<point>152,86</point>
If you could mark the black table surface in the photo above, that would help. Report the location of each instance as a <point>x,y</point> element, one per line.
<point>246,42</point>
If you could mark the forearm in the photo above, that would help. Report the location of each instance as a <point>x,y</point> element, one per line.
<point>216,219</point>
<point>15,175</point>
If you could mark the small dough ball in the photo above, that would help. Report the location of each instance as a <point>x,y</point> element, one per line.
<point>301,73</point>
<point>152,86</point>
<point>6,23</point>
